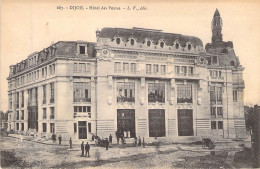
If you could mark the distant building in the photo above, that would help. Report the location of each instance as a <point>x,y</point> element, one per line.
<point>139,82</point>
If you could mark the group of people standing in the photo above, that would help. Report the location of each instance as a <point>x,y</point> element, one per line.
<point>85,148</point>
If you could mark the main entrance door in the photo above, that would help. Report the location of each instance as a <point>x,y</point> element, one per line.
<point>185,122</point>
<point>156,123</point>
<point>126,122</point>
<point>82,129</point>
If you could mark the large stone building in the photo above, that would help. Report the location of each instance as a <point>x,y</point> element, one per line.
<point>139,82</point>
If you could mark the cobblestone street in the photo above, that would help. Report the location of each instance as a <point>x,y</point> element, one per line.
<point>32,154</point>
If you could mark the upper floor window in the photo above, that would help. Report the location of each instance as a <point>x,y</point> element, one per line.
<point>235,95</point>
<point>190,70</point>
<point>82,50</point>
<point>22,101</point>
<point>156,92</point>
<point>52,115</point>
<point>22,117</point>
<point>82,91</point>
<point>33,97</point>
<point>44,94</point>
<point>17,100</point>
<point>52,92</point>
<point>44,113</point>
<point>17,115</point>
<point>177,69</point>
<point>184,93</point>
<point>52,69</point>
<point>215,95</point>
<point>133,68</point>
<point>125,67</point>
<point>148,68</point>
<point>125,91</point>
<point>163,69</point>
<point>156,69</point>
<point>117,67</point>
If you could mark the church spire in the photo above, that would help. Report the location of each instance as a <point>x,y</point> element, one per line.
<point>216,27</point>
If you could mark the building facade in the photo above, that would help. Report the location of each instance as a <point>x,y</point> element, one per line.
<point>138,82</point>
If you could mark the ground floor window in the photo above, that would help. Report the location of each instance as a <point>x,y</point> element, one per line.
<point>216,125</point>
<point>126,122</point>
<point>52,127</point>
<point>185,122</point>
<point>89,127</point>
<point>156,123</point>
<point>220,124</point>
<point>22,126</point>
<point>75,127</point>
<point>213,125</point>
<point>17,126</point>
<point>44,128</point>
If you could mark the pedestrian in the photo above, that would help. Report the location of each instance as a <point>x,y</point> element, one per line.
<point>107,143</point>
<point>59,139</point>
<point>82,149</point>
<point>93,137</point>
<point>122,140</point>
<point>140,141</point>
<point>110,138</point>
<point>87,147</point>
<point>70,143</point>
<point>135,141</point>
<point>117,137</point>
<point>53,137</point>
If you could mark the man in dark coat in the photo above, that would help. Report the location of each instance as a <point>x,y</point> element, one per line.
<point>117,136</point>
<point>59,140</point>
<point>87,148</point>
<point>70,143</point>
<point>82,149</point>
<point>110,139</point>
<point>140,141</point>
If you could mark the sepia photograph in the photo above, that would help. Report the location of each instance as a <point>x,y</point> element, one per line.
<point>129,84</point>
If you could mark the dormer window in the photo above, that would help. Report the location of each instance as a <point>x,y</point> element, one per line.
<point>82,50</point>
<point>132,42</point>
<point>189,47</point>
<point>118,40</point>
<point>214,59</point>
<point>148,43</point>
<point>161,44</point>
<point>232,63</point>
<point>177,45</point>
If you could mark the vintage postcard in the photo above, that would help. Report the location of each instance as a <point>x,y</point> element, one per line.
<point>130,84</point>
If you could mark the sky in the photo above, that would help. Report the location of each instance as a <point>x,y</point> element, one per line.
<point>31,25</point>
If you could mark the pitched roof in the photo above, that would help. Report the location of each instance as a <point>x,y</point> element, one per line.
<point>155,35</point>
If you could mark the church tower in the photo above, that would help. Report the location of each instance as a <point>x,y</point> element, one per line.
<point>216,27</point>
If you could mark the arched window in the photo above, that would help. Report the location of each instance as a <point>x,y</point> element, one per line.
<point>189,46</point>
<point>162,44</point>
<point>232,63</point>
<point>132,42</point>
<point>118,40</point>
<point>148,43</point>
<point>177,45</point>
